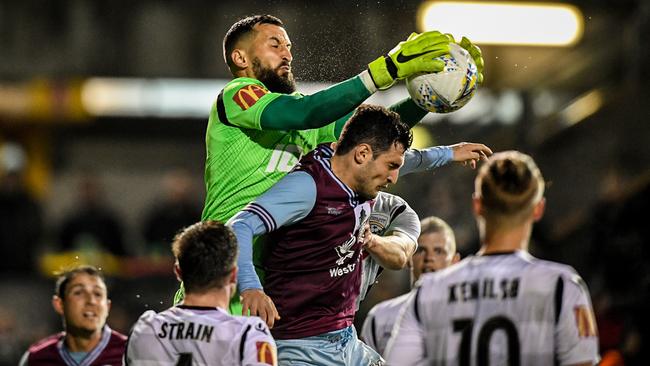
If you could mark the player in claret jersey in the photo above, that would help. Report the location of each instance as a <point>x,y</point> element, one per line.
<point>316,217</point>
<point>200,331</point>
<point>81,300</point>
<point>502,306</point>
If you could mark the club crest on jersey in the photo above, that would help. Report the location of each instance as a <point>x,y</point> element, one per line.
<point>266,353</point>
<point>585,321</point>
<point>378,222</point>
<point>345,250</point>
<point>248,95</point>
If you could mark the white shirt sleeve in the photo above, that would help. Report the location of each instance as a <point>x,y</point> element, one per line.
<point>406,222</point>
<point>406,344</point>
<point>259,348</point>
<point>367,330</point>
<point>576,334</point>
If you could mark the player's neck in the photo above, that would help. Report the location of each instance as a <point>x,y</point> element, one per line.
<point>506,239</point>
<point>214,298</point>
<point>342,170</point>
<point>82,342</point>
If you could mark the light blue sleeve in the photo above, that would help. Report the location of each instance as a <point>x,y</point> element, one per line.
<point>287,202</point>
<point>426,159</point>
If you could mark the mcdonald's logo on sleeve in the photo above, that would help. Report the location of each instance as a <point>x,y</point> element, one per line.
<point>266,353</point>
<point>248,95</point>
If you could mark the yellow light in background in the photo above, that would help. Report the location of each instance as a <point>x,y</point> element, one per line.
<point>504,23</point>
<point>583,107</point>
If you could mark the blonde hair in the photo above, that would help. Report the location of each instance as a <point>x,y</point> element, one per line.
<point>509,185</point>
<point>433,224</point>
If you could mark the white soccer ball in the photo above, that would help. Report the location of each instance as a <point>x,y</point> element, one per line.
<point>449,89</point>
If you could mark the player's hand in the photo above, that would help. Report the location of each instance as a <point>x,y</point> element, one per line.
<point>413,56</point>
<point>260,305</point>
<point>476,54</point>
<point>470,153</point>
<point>368,237</point>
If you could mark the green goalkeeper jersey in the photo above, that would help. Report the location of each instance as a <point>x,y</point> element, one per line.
<point>243,161</point>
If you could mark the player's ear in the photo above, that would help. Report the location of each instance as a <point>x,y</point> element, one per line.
<point>57,304</point>
<point>476,204</point>
<point>233,275</point>
<point>455,259</point>
<point>177,272</point>
<point>538,210</point>
<point>240,58</point>
<point>362,153</point>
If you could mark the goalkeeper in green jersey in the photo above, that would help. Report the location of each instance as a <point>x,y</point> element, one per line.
<point>259,126</point>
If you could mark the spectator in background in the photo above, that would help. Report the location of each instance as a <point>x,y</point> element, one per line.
<point>82,301</point>
<point>21,224</point>
<point>176,209</point>
<point>92,225</point>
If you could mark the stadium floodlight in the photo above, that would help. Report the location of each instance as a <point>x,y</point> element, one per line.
<point>582,107</point>
<point>505,23</point>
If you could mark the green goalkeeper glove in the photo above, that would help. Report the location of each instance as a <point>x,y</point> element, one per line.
<point>415,55</point>
<point>476,54</point>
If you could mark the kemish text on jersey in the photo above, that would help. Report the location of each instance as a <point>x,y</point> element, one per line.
<point>485,288</point>
<point>186,331</point>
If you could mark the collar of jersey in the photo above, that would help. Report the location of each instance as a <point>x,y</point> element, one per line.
<point>193,307</point>
<point>90,356</point>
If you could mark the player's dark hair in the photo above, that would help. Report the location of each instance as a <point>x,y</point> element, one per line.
<point>206,253</point>
<point>509,185</point>
<point>242,28</point>
<point>375,126</point>
<point>67,275</point>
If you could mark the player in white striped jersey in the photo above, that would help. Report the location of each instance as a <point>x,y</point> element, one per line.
<point>395,228</point>
<point>502,306</point>
<point>436,250</point>
<point>199,331</point>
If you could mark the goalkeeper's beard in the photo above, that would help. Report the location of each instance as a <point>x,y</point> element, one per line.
<point>271,78</point>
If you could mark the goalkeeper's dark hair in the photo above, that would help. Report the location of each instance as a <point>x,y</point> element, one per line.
<point>65,276</point>
<point>206,253</point>
<point>376,126</point>
<point>509,185</point>
<point>243,28</point>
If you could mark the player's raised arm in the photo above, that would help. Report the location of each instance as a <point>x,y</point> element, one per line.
<point>264,55</point>
<point>287,202</point>
<point>419,160</point>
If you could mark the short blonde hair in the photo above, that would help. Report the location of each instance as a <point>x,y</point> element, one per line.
<point>509,185</point>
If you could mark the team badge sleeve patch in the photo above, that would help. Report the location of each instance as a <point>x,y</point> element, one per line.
<point>248,95</point>
<point>585,322</point>
<point>266,353</point>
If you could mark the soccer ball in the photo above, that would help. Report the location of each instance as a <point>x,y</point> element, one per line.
<point>449,89</point>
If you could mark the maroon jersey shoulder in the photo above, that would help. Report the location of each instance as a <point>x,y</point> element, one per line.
<point>48,351</point>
